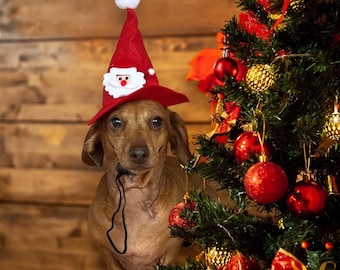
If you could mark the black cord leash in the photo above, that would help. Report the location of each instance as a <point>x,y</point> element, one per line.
<point>120,209</point>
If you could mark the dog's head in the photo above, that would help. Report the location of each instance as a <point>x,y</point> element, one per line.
<point>136,134</point>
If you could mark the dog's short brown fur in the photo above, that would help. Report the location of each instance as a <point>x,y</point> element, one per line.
<point>136,135</point>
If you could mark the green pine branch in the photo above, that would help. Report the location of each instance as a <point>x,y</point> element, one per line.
<point>304,53</point>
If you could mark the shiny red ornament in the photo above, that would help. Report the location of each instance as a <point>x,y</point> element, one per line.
<point>306,199</point>
<point>329,245</point>
<point>224,67</point>
<point>305,244</point>
<point>240,262</point>
<point>247,144</point>
<point>175,218</point>
<point>265,182</point>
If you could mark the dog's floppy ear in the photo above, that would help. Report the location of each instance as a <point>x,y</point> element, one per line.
<point>179,138</point>
<point>93,152</point>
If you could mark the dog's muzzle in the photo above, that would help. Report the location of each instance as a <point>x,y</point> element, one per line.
<point>122,171</point>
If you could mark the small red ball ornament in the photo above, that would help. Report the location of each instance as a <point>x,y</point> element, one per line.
<point>225,66</point>
<point>305,244</point>
<point>248,144</point>
<point>175,218</point>
<point>240,262</point>
<point>265,182</point>
<point>329,245</point>
<point>306,199</point>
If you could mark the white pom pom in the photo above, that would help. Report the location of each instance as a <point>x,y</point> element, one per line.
<point>123,4</point>
<point>151,71</point>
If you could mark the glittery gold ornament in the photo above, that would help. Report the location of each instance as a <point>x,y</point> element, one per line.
<point>297,4</point>
<point>217,256</point>
<point>332,126</point>
<point>260,77</point>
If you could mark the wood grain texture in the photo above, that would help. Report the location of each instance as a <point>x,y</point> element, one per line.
<point>41,19</point>
<point>46,237</point>
<point>58,146</point>
<point>62,81</point>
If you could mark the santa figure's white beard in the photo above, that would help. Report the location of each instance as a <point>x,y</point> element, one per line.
<point>116,90</point>
<point>114,86</point>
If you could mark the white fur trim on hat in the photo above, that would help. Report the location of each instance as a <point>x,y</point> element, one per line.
<point>123,4</point>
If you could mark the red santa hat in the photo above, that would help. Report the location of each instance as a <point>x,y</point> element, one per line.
<point>130,75</point>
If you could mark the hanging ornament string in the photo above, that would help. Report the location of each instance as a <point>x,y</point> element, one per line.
<point>225,49</point>
<point>307,159</point>
<point>336,104</point>
<point>186,196</point>
<point>261,137</point>
<point>283,55</point>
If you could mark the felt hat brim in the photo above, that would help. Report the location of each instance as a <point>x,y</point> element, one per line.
<point>165,96</point>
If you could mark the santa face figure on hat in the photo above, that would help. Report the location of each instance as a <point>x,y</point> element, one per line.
<point>120,82</point>
<point>130,75</point>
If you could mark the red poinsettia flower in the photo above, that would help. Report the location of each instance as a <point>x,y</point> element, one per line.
<point>202,66</point>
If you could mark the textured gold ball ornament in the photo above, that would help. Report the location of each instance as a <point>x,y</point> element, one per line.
<point>297,4</point>
<point>332,126</point>
<point>260,77</point>
<point>217,256</point>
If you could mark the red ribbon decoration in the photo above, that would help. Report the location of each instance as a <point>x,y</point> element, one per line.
<point>251,24</point>
<point>284,11</point>
<point>286,261</point>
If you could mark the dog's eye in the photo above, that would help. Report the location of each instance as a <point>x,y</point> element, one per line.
<point>156,122</point>
<point>116,122</point>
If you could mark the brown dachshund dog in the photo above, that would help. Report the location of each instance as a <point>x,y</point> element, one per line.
<point>128,218</point>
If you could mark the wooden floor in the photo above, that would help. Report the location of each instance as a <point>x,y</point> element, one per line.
<point>52,58</point>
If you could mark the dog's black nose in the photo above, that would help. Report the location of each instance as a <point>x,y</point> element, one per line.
<point>139,154</point>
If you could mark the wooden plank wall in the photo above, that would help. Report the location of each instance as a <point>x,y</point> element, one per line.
<point>52,57</point>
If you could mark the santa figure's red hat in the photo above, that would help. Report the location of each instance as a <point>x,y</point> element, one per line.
<point>130,75</point>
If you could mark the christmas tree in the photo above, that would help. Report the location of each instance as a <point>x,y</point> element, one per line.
<point>274,143</point>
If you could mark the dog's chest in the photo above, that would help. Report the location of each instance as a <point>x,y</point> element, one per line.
<point>147,234</point>
<point>140,215</point>
<point>133,225</point>
<point>149,210</point>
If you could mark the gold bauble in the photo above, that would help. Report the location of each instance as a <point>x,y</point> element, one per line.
<point>297,4</point>
<point>332,126</point>
<point>260,77</point>
<point>217,256</point>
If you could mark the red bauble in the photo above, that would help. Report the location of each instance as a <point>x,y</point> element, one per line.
<point>305,244</point>
<point>240,262</point>
<point>306,199</point>
<point>225,66</point>
<point>329,245</point>
<point>248,144</point>
<point>265,182</point>
<point>175,218</point>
